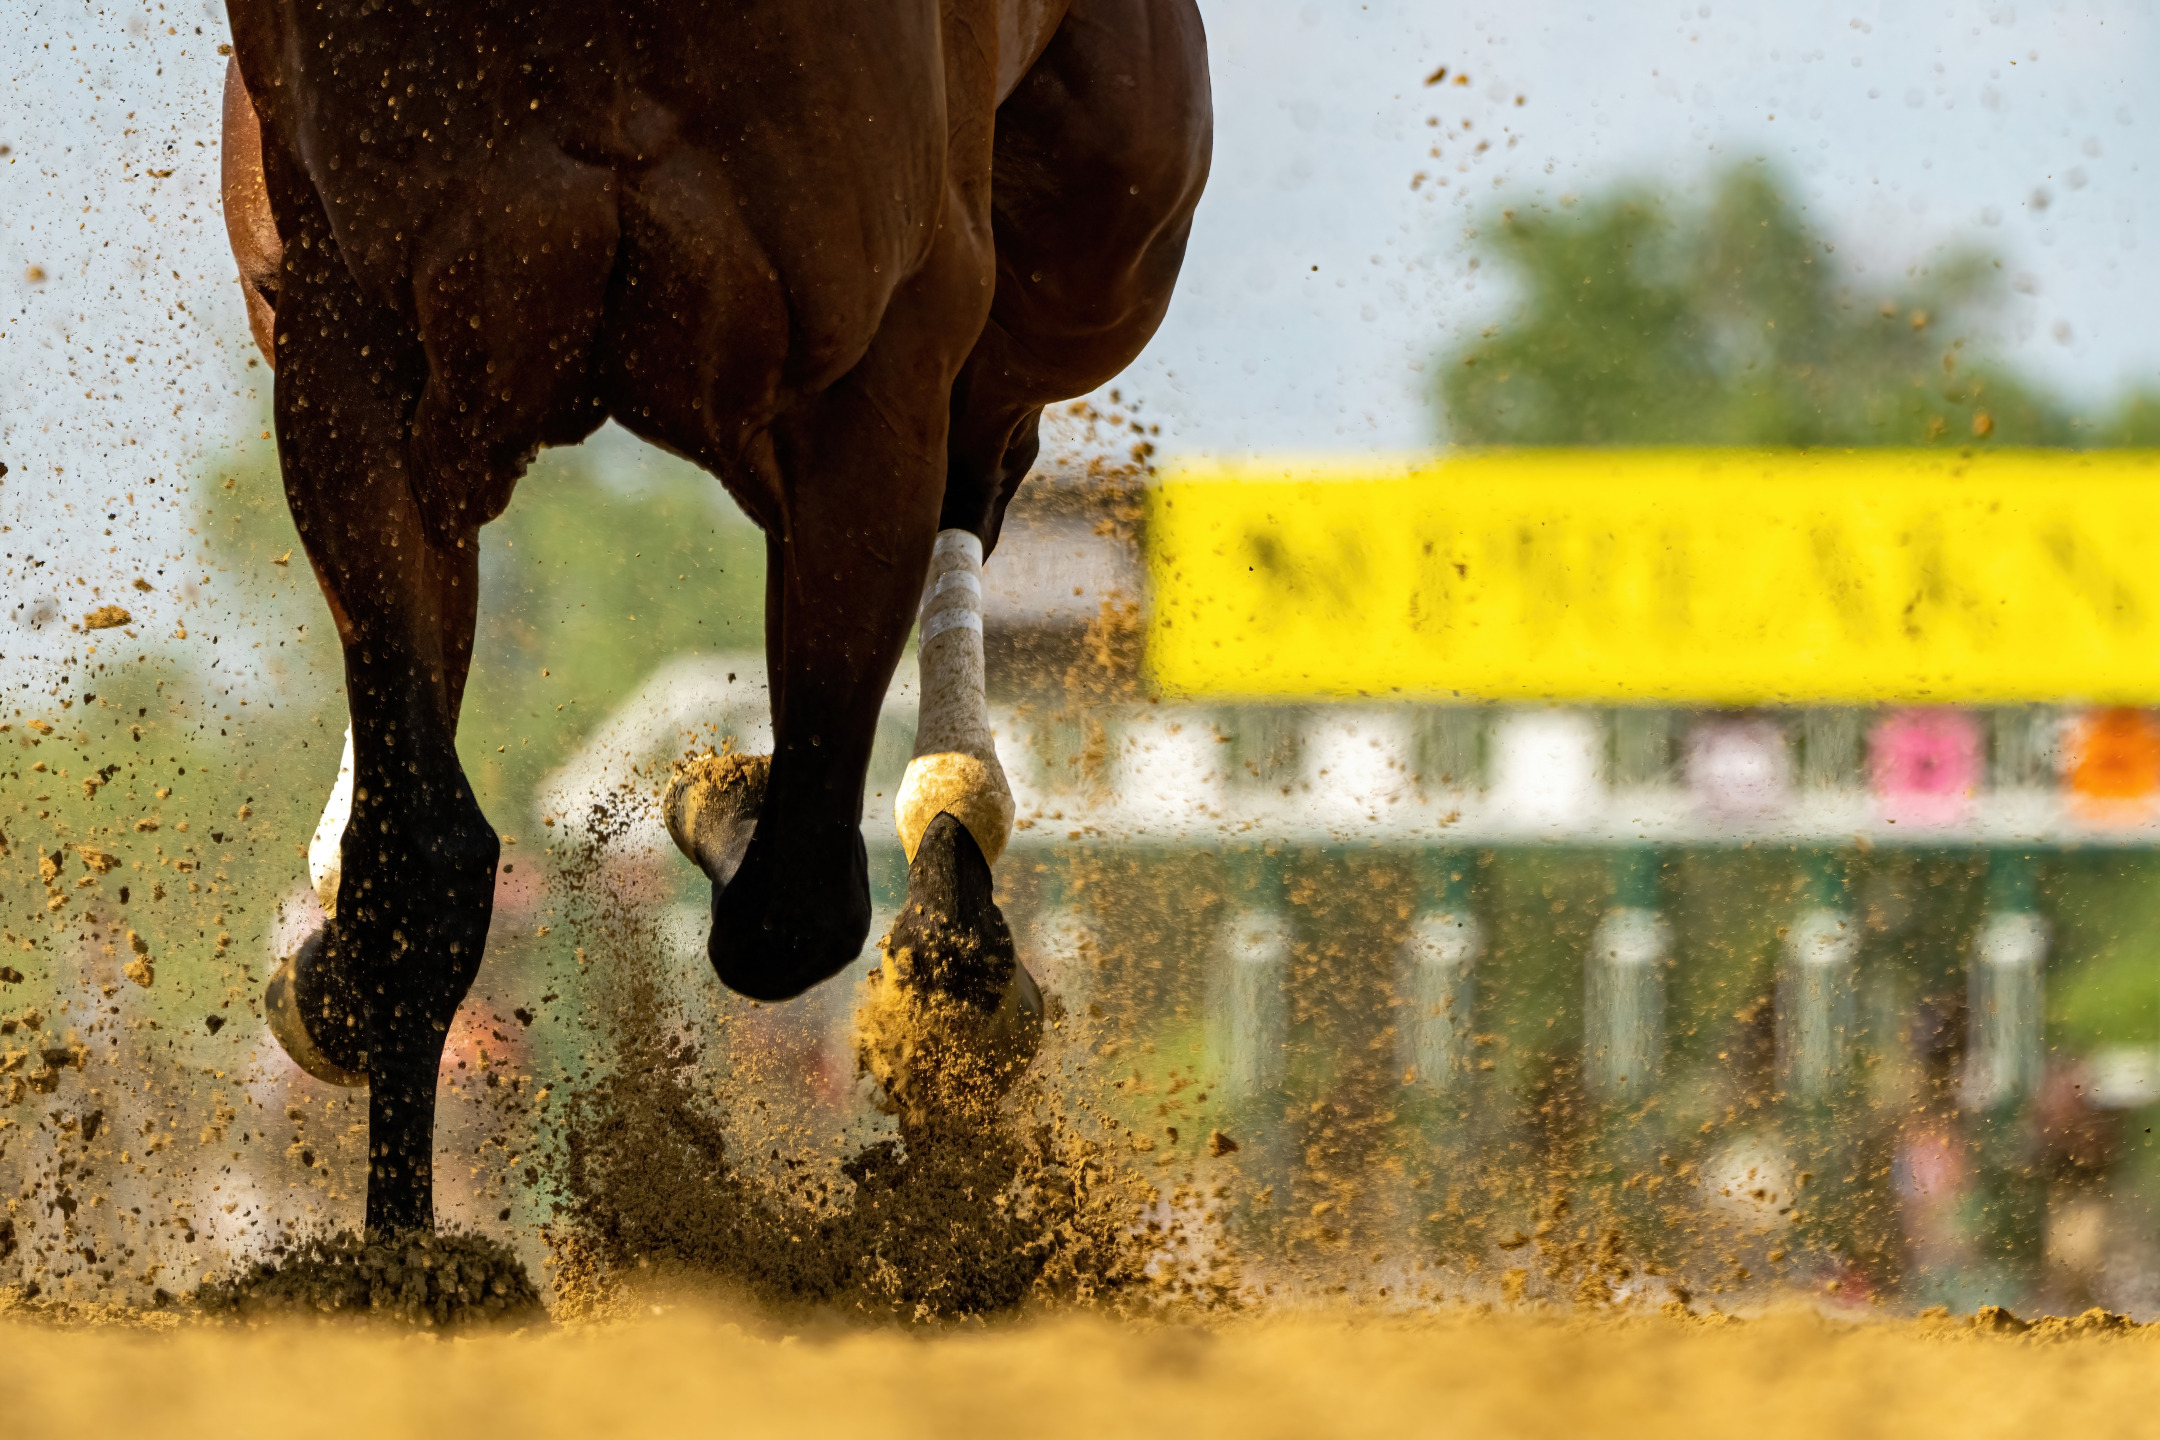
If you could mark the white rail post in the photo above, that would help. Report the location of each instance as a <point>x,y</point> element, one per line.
<point>1816,986</point>
<point>1439,976</point>
<point>2005,994</point>
<point>1249,992</point>
<point>1624,984</point>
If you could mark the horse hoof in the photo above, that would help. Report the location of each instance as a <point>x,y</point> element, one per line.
<point>953,1018</point>
<point>1014,1034</point>
<point>288,1026</point>
<point>932,1056</point>
<point>711,807</point>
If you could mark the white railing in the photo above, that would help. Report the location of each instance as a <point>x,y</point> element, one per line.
<point>1171,775</point>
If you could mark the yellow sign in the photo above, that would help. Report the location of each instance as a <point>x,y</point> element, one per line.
<point>1716,577</point>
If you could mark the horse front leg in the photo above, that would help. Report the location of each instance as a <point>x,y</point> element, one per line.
<point>374,993</point>
<point>859,476</point>
<point>782,841</point>
<point>954,1017</point>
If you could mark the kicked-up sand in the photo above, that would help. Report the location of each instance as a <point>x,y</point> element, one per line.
<point>685,1370</point>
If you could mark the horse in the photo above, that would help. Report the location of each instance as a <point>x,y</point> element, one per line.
<point>841,256</point>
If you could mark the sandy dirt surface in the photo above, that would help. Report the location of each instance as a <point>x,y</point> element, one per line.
<point>686,1370</point>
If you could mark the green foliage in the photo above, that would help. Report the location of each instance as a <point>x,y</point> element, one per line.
<point>2136,420</point>
<point>598,584</point>
<point>600,571</point>
<point>190,800</point>
<point>1648,321</point>
<point>2103,984</point>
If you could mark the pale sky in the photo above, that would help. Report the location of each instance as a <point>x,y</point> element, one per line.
<point>1905,126</point>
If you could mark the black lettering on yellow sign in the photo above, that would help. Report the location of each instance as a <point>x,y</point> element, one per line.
<point>1711,577</point>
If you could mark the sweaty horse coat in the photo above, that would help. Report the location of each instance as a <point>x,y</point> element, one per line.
<point>838,252</point>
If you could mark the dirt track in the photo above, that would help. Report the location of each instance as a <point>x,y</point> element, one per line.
<point>690,1372</point>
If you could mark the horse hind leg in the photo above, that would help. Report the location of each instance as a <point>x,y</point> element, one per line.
<point>1100,157</point>
<point>857,474</point>
<point>1099,160</point>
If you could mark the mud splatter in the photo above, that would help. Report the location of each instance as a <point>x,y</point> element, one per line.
<point>679,1163</point>
<point>438,1280</point>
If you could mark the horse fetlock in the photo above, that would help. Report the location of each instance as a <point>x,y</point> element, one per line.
<point>407,918</point>
<point>426,917</point>
<point>396,820</point>
<point>414,840</point>
<point>970,788</point>
<point>460,853</point>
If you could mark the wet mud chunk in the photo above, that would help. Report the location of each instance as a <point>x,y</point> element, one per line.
<point>107,617</point>
<point>439,1281</point>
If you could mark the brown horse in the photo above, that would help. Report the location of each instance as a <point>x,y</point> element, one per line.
<point>839,254</point>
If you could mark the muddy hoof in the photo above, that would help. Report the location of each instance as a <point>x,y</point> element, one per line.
<point>953,1018</point>
<point>711,807</point>
<point>325,1053</point>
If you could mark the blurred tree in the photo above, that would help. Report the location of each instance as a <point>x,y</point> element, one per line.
<point>593,578</point>
<point>2136,420</point>
<point>1646,322</point>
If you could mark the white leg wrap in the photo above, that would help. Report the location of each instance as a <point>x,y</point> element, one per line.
<point>955,768</point>
<point>322,851</point>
